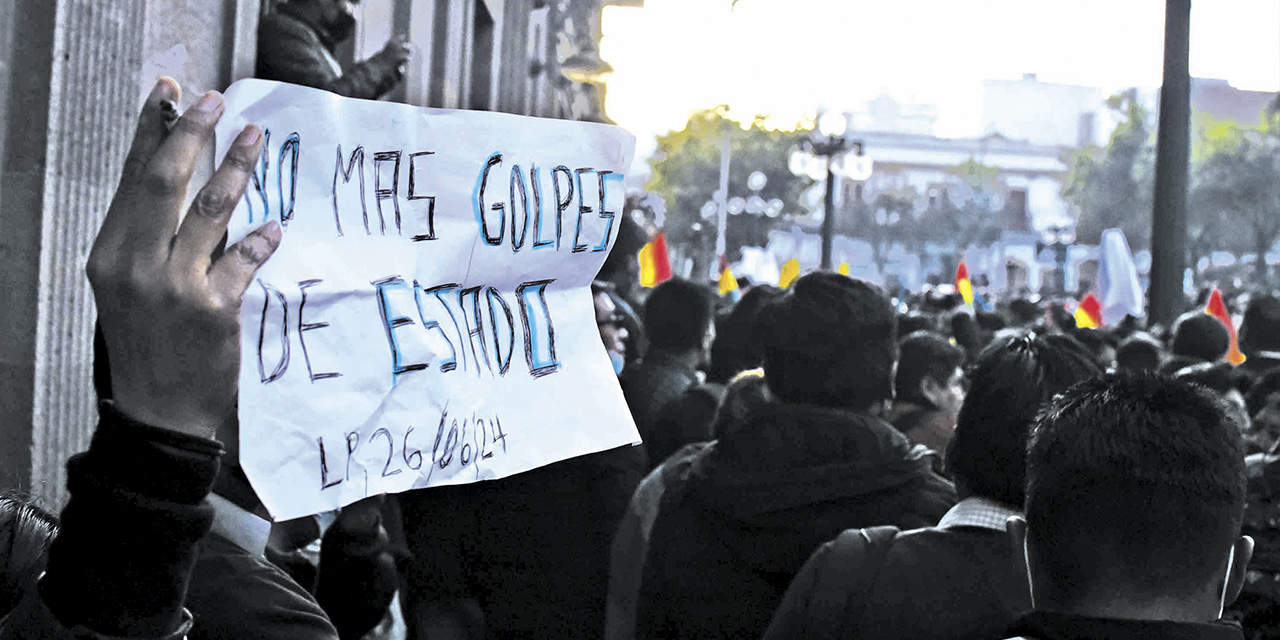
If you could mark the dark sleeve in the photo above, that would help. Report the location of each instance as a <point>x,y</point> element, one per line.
<point>290,54</point>
<point>358,577</point>
<point>122,560</point>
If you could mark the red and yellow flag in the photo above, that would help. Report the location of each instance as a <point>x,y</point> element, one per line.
<point>963,285</point>
<point>1089,313</point>
<point>1218,309</point>
<point>655,265</point>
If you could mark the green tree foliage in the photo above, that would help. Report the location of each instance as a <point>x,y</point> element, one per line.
<point>686,173</point>
<point>1235,197</point>
<point>1112,186</point>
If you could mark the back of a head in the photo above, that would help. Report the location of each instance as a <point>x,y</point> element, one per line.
<point>830,341</point>
<point>26,531</point>
<point>1260,329</point>
<point>736,348</point>
<point>677,315</point>
<point>1139,352</point>
<point>1135,490</point>
<point>924,354</point>
<point>1008,384</point>
<point>1199,335</point>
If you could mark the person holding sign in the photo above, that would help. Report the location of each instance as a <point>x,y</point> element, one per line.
<point>296,45</point>
<point>169,310</point>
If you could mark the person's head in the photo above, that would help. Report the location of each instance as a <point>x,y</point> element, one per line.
<point>1135,497</point>
<point>929,372</point>
<point>1008,384</point>
<point>611,325</point>
<point>1139,352</point>
<point>736,348</point>
<point>1260,329</point>
<point>622,265</point>
<point>830,341</point>
<point>1218,377</point>
<point>745,393</point>
<point>678,317</point>
<point>26,531</point>
<point>337,17</point>
<point>1201,336</point>
<point>1099,343</point>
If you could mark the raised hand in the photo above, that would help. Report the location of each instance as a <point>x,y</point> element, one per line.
<point>169,302</point>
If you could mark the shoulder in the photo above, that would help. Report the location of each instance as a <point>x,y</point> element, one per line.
<point>235,594</point>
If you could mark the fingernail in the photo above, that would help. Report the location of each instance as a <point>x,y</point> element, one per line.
<point>249,136</point>
<point>210,102</point>
<point>166,89</point>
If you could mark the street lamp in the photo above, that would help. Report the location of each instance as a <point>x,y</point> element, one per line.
<point>822,155</point>
<point>753,205</point>
<point>1059,238</point>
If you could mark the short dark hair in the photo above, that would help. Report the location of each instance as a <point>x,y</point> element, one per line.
<point>1134,481</point>
<point>1260,329</point>
<point>737,347</point>
<point>924,354</point>
<point>1009,382</point>
<point>1139,352</point>
<point>1199,335</point>
<point>830,341</point>
<point>677,315</point>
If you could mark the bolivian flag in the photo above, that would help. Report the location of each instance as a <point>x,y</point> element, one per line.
<point>655,265</point>
<point>1089,313</point>
<point>963,285</point>
<point>1218,309</point>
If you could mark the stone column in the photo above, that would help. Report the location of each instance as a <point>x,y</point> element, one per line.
<point>71,70</point>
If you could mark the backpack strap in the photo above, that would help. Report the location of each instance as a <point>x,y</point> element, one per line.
<point>841,592</point>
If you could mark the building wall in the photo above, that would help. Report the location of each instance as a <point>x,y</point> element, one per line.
<point>1042,112</point>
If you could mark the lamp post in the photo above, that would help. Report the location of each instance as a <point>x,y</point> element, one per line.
<point>1059,238</point>
<point>754,205</point>
<point>822,155</point>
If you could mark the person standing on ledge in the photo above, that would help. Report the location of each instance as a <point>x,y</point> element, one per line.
<point>296,43</point>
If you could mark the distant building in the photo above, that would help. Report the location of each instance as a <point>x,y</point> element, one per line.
<point>1043,113</point>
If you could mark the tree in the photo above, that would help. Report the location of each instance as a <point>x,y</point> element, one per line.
<point>1113,186</point>
<point>1235,199</point>
<point>686,173</point>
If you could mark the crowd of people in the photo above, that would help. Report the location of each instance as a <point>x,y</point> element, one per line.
<point>816,462</point>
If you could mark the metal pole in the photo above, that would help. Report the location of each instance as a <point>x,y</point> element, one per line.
<point>722,199</point>
<point>828,217</point>
<point>1169,217</point>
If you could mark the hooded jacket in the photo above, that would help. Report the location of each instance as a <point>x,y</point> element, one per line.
<point>760,500</point>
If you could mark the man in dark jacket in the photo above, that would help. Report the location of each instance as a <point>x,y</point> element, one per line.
<point>296,44</point>
<point>1135,496</point>
<point>679,320</point>
<point>954,581</point>
<point>796,473</point>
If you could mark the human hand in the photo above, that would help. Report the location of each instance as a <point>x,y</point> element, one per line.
<point>396,52</point>
<point>169,304</point>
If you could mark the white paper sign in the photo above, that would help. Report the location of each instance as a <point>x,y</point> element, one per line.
<point>427,319</point>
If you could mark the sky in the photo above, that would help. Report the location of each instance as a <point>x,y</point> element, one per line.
<point>787,58</point>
